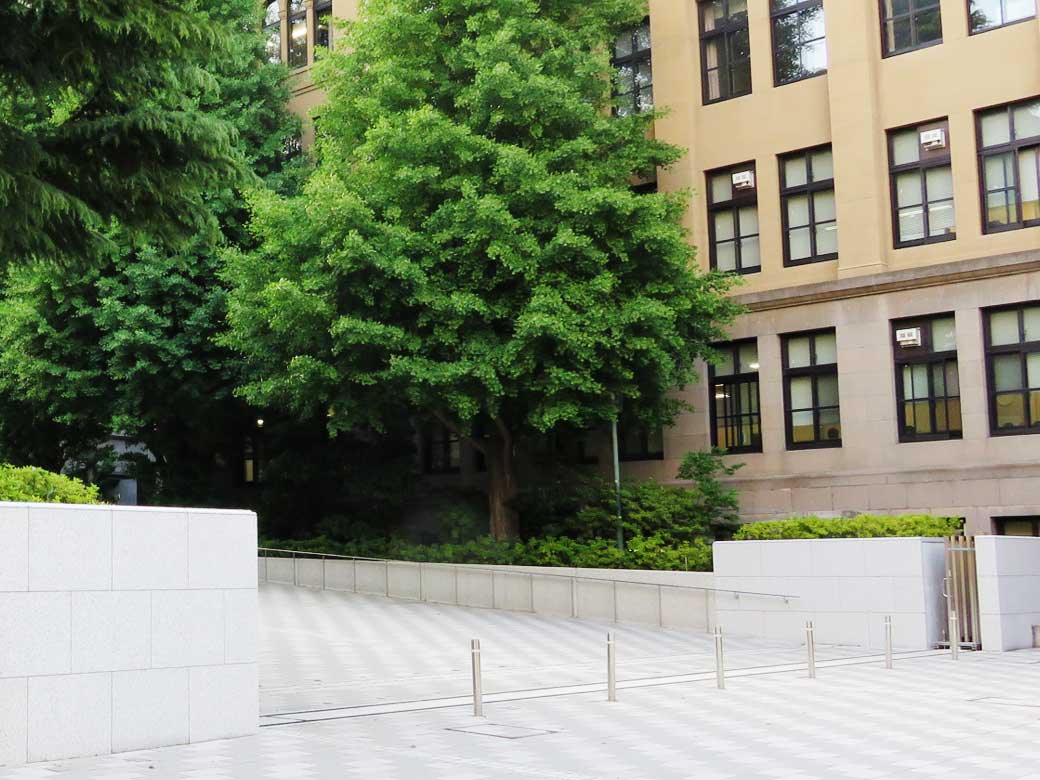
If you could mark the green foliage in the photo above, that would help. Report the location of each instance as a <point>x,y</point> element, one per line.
<point>28,483</point>
<point>468,242</point>
<point>103,117</point>
<point>717,503</point>
<point>640,553</point>
<point>851,527</point>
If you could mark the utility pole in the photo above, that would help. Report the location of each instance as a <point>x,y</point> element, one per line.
<point>617,483</point>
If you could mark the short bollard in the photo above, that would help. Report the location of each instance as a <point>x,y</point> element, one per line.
<point>720,666</point>
<point>888,641</point>
<point>955,636</point>
<point>611,672</point>
<point>810,648</point>
<point>478,696</point>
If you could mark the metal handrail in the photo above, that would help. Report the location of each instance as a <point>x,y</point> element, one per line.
<point>493,570</point>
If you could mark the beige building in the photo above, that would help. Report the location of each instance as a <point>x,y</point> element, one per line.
<point>871,168</point>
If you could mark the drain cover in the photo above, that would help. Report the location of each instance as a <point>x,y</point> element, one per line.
<point>501,730</point>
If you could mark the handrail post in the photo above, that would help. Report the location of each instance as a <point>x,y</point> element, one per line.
<point>386,577</point>
<point>478,695</point>
<point>810,648</point>
<point>295,578</point>
<point>615,600</point>
<point>611,670</point>
<point>720,671</point>
<point>574,596</point>
<point>660,607</point>
<point>531,578</point>
<point>355,575</point>
<point>323,572</point>
<point>955,636</point>
<point>888,641</point>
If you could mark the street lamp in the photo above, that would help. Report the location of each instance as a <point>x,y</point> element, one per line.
<point>617,482</point>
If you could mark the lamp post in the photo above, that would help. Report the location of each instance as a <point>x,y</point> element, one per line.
<point>617,482</point>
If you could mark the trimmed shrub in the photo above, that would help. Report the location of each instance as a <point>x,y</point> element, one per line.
<point>29,483</point>
<point>861,526</point>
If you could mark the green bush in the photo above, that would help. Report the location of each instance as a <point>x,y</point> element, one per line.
<point>29,483</point>
<point>851,527</point>
<point>641,552</point>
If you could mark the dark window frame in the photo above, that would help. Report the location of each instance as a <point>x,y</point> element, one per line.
<point>999,523</point>
<point>921,165</point>
<point>814,372</point>
<point>926,5</point>
<point>924,355</point>
<point>734,380</point>
<point>1012,147</point>
<point>272,27</point>
<point>634,59</point>
<point>438,436</point>
<point>1022,348</point>
<point>808,189</point>
<point>1001,26</point>
<point>775,15</point>
<point>293,16</point>
<point>722,33</point>
<point>322,9</point>
<point>736,202</point>
<point>644,451</point>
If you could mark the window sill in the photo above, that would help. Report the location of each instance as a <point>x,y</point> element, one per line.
<point>716,101</point>
<point>918,47</point>
<point>925,241</point>
<point>927,438</point>
<point>989,230</point>
<point>777,83</point>
<point>814,445</point>
<point>1000,26</point>
<point>828,258</point>
<point>1014,431</point>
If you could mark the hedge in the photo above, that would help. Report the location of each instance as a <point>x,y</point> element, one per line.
<point>29,483</point>
<point>860,526</point>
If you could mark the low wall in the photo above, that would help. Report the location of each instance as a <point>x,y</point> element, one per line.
<point>846,586</point>
<point>1008,569</point>
<point>124,628</point>
<point>673,599</point>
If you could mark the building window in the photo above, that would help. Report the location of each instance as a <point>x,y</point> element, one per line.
<point>927,383</point>
<point>251,471</point>
<point>273,32</point>
<point>322,23</point>
<point>922,184</point>
<point>297,34</point>
<point>990,14</point>
<point>808,216</point>
<point>736,420</point>
<point>1013,368</point>
<point>441,450</point>
<point>733,219</point>
<point>813,416</point>
<point>1009,163</point>
<point>637,441</point>
<point>634,85</point>
<point>1017,526</point>
<point>799,40</point>
<point>909,24</point>
<point>725,49</point>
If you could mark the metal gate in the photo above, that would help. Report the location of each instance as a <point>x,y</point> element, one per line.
<point>961,591</point>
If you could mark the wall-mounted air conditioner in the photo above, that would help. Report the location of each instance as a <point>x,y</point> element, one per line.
<point>933,139</point>
<point>908,337</point>
<point>744,180</point>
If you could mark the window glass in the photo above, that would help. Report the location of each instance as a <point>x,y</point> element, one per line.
<point>273,32</point>
<point>633,82</point>
<point>1003,328</point>
<point>909,24</point>
<point>822,165</point>
<point>725,49</point>
<point>944,334</point>
<point>798,352</point>
<point>922,183</point>
<point>807,198</point>
<point>1031,318</point>
<point>987,14</point>
<point>799,45</point>
<point>736,422</point>
<point>1013,366</point>
<point>733,218</point>
<point>826,349</point>
<point>1027,120</point>
<point>811,393</point>
<point>1007,372</point>
<point>905,147</point>
<point>721,187</point>
<point>1029,181</point>
<point>748,357</point>
<point>1009,164</point>
<point>795,171</point>
<point>996,129</point>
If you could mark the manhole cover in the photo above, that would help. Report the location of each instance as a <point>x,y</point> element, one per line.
<point>501,730</point>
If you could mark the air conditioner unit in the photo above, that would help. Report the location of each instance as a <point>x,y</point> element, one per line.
<point>908,337</point>
<point>933,139</point>
<point>744,180</point>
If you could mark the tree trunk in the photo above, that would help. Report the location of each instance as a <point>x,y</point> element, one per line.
<point>505,523</point>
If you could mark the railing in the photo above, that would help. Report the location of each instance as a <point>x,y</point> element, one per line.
<point>574,595</point>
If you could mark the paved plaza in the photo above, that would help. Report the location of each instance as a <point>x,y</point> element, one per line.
<point>366,687</point>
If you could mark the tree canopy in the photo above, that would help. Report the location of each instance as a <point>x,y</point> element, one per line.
<point>103,117</point>
<point>469,243</point>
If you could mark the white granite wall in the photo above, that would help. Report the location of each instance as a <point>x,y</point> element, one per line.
<point>124,628</point>
<point>1008,569</point>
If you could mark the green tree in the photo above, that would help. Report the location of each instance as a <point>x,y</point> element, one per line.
<point>126,342</point>
<point>469,243</point>
<point>103,116</point>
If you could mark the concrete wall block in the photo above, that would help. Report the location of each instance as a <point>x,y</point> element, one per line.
<point>70,548</point>
<point>221,549</point>
<point>187,628</point>
<point>310,572</point>
<point>910,631</point>
<point>149,709</point>
<point>224,702</point>
<point>908,595</point>
<point>865,594</point>
<point>1017,555</point>
<point>149,550</point>
<point>439,584</point>
<point>372,577</point>
<point>111,630</point>
<point>339,575</point>
<point>404,581</point>
<point>842,628</point>
<point>1019,490</point>
<point>742,559</point>
<point>14,544</point>
<point>261,570</point>
<point>553,596</point>
<point>837,558</point>
<point>1019,594</point>
<point>69,715</point>
<point>280,570</point>
<point>785,626</point>
<point>639,603</point>
<point>786,558</point>
<point>741,623</point>
<point>240,626</point>
<point>687,608</point>
<point>887,497</point>
<point>34,634</point>
<point>893,557</point>
<point>475,588</point>
<point>14,717</point>
<point>595,600</point>
<point>514,591</point>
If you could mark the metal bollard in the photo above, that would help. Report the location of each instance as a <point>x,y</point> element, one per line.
<point>611,671</point>
<point>955,636</point>
<point>888,641</point>
<point>478,696</point>
<point>720,669</point>
<point>810,647</point>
